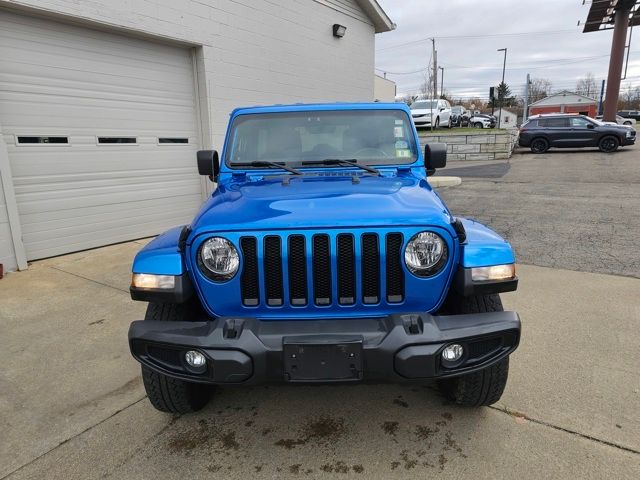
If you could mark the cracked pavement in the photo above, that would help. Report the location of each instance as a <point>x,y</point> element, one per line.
<point>72,405</point>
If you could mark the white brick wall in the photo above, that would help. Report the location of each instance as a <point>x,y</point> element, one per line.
<point>248,52</point>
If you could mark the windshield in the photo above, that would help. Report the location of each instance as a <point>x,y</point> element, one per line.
<point>456,109</point>
<point>376,137</point>
<point>424,105</point>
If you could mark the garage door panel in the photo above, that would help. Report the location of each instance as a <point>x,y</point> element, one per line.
<point>103,227</point>
<point>38,222</point>
<point>31,167</point>
<point>88,184</point>
<point>56,201</point>
<point>29,112</point>
<point>31,27</point>
<point>44,249</point>
<point>57,79</point>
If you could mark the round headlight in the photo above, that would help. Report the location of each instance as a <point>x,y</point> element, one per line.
<point>219,259</point>
<point>425,254</point>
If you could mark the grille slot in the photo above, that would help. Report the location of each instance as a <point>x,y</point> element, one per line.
<point>395,275</point>
<point>249,285</point>
<point>346,262</point>
<point>370,264</point>
<point>273,271</point>
<point>321,270</point>
<point>297,271</point>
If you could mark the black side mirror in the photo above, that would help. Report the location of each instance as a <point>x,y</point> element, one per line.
<point>435,156</point>
<point>208,164</point>
<point>591,125</point>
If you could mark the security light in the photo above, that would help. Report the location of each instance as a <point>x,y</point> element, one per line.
<point>339,30</point>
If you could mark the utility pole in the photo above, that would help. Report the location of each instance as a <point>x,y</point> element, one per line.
<point>442,82</point>
<point>621,23</point>
<point>504,66</point>
<point>525,113</point>
<point>601,98</point>
<point>434,54</point>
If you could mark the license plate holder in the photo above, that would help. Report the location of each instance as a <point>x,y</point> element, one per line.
<point>328,360</point>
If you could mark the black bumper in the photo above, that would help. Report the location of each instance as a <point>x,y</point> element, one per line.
<point>401,347</point>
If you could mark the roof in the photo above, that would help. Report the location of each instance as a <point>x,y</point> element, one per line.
<point>381,21</point>
<point>602,12</point>
<point>564,98</point>
<point>321,107</point>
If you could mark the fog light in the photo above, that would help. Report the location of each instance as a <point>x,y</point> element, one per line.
<point>195,359</point>
<point>452,353</point>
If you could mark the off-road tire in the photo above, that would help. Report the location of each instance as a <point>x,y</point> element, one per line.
<point>165,393</point>
<point>608,144</point>
<point>539,145</point>
<point>485,386</point>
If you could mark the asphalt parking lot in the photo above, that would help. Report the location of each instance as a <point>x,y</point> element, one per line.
<point>575,209</point>
<point>72,405</point>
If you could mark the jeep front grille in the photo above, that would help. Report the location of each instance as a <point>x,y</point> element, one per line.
<point>310,280</point>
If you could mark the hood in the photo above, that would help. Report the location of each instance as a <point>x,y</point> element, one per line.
<point>321,201</point>
<point>424,111</point>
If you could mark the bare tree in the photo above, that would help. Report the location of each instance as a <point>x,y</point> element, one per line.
<point>630,99</point>
<point>587,86</point>
<point>426,88</point>
<point>538,89</point>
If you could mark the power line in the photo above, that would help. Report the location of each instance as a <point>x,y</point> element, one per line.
<point>488,35</point>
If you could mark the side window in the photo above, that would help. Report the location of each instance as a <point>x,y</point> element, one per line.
<point>579,123</point>
<point>554,123</point>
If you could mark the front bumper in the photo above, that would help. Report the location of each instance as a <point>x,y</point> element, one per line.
<point>397,348</point>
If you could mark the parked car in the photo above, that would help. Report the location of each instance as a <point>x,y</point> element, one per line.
<point>542,132</point>
<point>635,114</point>
<point>482,121</point>
<point>323,256</point>
<point>459,116</point>
<point>630,122</point>
<point>423,111</point>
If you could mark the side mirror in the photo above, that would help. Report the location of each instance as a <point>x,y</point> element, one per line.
<point>208,164</point>
<point>591,126</point>
<point>435,156</point>
<point>442,109</point>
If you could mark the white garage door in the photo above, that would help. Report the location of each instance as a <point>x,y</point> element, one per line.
<point>101,131</point>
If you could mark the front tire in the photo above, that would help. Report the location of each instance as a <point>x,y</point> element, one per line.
<point>608,144</point>
<point>539,145</point>
<point>484,387</point>
<point>478,125</point>
<point>165,393</point>
<point>437,124</point>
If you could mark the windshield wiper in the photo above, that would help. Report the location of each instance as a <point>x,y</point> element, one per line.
<point>264,163</point>
<point>341,161</point>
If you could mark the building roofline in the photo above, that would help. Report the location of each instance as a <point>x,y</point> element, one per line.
<point>381,21</point>
<point>564,92</point>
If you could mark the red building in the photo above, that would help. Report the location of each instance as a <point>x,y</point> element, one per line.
<point>565,102</point>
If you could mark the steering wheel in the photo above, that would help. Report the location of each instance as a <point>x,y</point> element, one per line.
<point>379,150</point>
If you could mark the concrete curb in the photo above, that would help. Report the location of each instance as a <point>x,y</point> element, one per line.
<point>444,181</point>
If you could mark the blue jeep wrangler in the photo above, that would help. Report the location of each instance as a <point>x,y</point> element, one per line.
<point>323,256</point>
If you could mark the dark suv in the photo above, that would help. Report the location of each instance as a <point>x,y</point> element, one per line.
<point>568,131</point>
<point>635,114</point>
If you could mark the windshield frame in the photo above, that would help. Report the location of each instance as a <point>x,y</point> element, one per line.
<point>414,146</point>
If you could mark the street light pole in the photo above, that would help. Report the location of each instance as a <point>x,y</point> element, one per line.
<point>441,82</point>
<point>504,66</point>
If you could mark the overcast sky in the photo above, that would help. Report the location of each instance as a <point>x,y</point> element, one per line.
<point>468,33</point>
